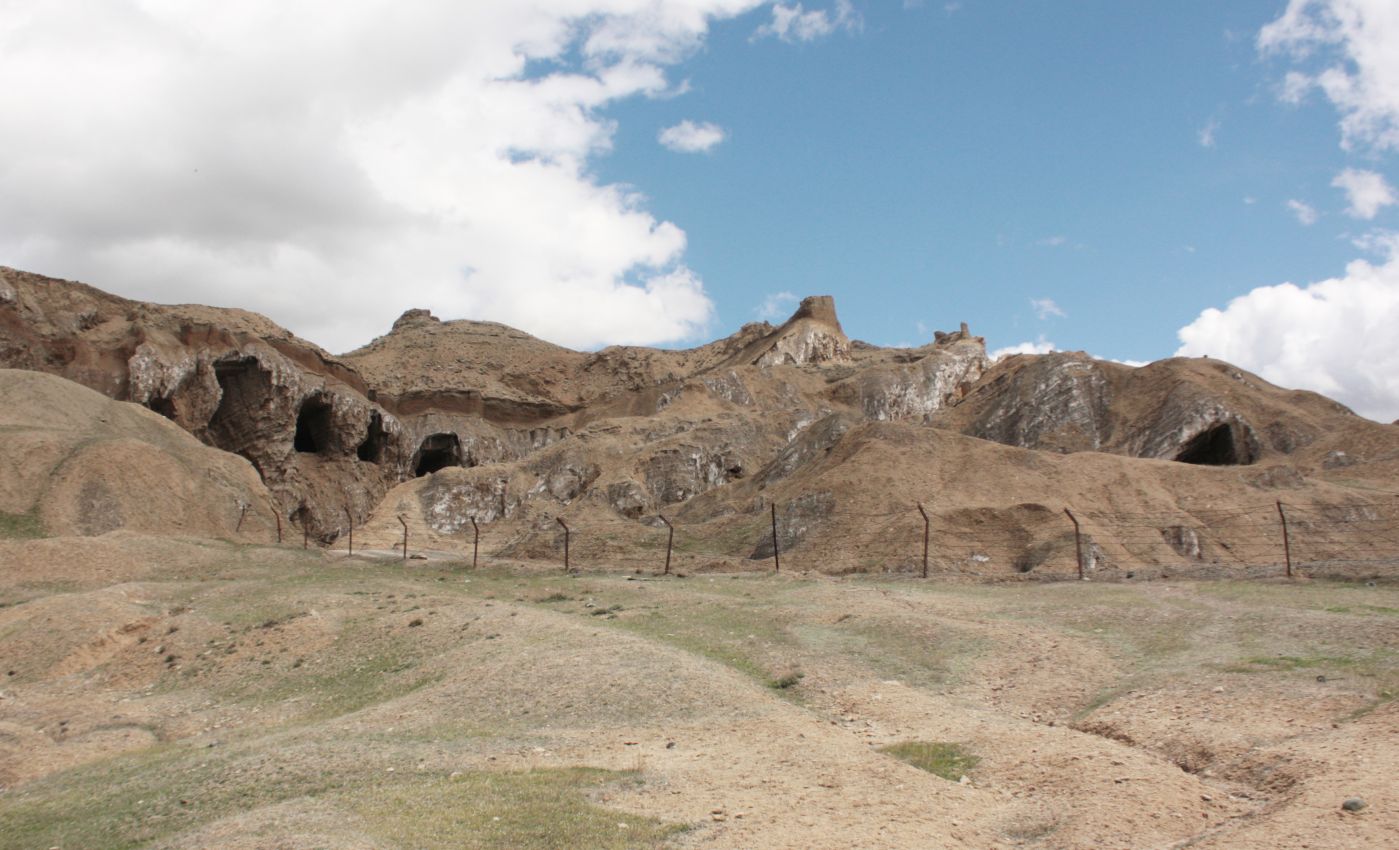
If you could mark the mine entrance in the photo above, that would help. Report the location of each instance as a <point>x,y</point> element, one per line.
<point>1215,446</point>
<point>313,425</point>
<point>438,451</point>
<point>375,440</point>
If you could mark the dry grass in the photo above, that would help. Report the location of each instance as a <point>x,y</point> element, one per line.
<point>303,684</point>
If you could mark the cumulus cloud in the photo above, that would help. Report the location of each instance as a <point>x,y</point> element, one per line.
<point>1039,346</point>
<point>331,164</point>
<point>689,137</point>
<point>1366,192</point>
<point>1045,307</point>
<point>794,23</point>
<point>1335,337</point>
<point>1306,214</point>
<point>1348,52</point>
<point>777,305</point>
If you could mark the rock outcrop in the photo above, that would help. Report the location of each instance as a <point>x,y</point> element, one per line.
<point>833,440</point>
<point>812,335</point>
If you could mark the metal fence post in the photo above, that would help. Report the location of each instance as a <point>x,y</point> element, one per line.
<point>776,555</point>
<point>670,541</point>
<point>475,542</point>
<point>566,567</point>
<point>926,523</point>
<point>1078,541</point>
<point>1286,540</point>
<point>278,515</point>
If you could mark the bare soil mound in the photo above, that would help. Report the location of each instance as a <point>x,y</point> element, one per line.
<point>74,462</point>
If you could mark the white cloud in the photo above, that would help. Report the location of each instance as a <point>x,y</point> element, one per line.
<point>331,164</point>
<point>689,137</point>
<point>1335,337</point>
<point>1039,346</point>
<point>794,23</point>
<point>1306,214</point>
<point>777,305</point>
<point>1366,191</point>
<point>1052,242</point>
<point>1045,307</point>
<point>1207,133</point>
<point>1351,52</point>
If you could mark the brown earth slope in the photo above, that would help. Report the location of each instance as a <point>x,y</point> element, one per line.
<point>74,462</point>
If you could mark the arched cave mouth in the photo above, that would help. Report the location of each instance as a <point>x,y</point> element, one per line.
<point>244,387</point>
<point>1218,445</point>
<point>376,439</point>
<point>313,425</point>
<point>164,405</point>
<point>437,451</point>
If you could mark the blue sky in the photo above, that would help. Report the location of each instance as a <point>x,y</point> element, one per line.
<point>1131,179</point>
<point>933,166</point>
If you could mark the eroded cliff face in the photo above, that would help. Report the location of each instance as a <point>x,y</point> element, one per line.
<point>1197,412</point>
<point>441,422</point>
<point>1058,402</point>
<point>233,379</point>
<point>812,335</point>
<point>915,386</point>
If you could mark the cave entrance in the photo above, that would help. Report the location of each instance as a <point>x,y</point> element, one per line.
<point>313,425</point>
<point>438,451</point>
<point>1217,445</point>
<point>164,405</point>
<point>375,441</point>
<point>244,388</point>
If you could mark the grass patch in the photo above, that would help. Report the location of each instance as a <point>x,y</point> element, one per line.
<point>139,800</point>
<point>21,526</point>
<point>522,810</point>
<point>940,758</point>
<point>781,683</point>
<point>1263,663</point>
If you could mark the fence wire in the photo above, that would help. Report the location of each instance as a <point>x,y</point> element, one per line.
<point>1356,537</point>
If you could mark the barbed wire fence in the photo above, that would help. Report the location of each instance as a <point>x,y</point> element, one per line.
<point>1357,538</point>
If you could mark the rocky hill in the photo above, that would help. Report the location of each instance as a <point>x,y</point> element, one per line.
<point>833,440</point>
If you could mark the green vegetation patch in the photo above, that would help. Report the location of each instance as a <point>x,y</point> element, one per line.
<point>520,810</point>
<point>21,526</point>
<point>139,800</point>
<point>1259,663</point>
<point>940,758</point>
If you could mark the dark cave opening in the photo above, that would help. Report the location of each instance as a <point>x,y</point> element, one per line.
<point>313,425</point>
<point>244,387</point>
<point>164,405</point>
<point>437,451</point>
<point>1214,446</point>
<point>376,439</point>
